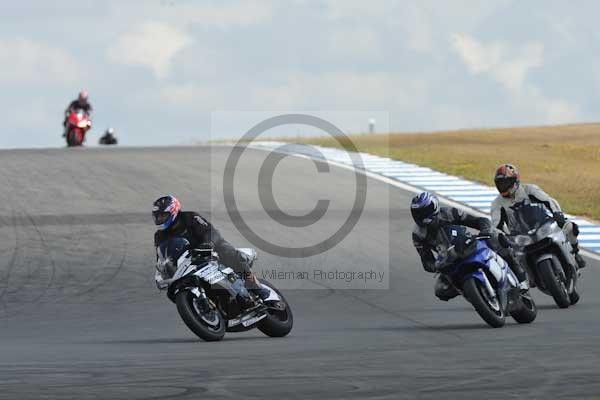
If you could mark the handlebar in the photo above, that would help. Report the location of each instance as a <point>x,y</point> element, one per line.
<point>442,260</point>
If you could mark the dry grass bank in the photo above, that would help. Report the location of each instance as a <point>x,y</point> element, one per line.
<point>563,160</point>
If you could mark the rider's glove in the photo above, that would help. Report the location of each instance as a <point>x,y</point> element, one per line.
<point>559,217</point>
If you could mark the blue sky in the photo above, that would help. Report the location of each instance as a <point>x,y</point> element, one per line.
<point>156,70</point>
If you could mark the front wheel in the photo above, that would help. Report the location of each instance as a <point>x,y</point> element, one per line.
<point>488,308</point>
<point>74,138</point>
<point>207,323</point>
<point>553,283</point>
<point>278,323</point>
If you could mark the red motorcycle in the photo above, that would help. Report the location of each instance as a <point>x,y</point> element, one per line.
<point>78,123</point>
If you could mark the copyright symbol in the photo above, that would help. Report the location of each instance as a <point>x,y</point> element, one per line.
<point>267,198</point>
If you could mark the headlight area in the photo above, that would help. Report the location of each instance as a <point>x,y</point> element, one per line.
<point>523,240</point>
<point>547,230</point>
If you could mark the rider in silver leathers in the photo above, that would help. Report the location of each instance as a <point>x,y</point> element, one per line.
<point>513,192</point>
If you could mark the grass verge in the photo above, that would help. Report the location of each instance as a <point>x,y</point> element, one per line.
<point>563,160</point>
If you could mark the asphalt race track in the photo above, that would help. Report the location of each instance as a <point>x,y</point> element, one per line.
<point>80,316</point>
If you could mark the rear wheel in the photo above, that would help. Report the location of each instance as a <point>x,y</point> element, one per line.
<point>527,311</point>
<point>488,308</point>
<point>278,323</point>
<point>206,322</point>
<point>553,283</point>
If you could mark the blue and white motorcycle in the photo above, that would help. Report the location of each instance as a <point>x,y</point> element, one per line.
<point>483,278</point>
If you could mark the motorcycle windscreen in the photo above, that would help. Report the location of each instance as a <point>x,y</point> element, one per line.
<point>530,217</point>
<point>462,242</point>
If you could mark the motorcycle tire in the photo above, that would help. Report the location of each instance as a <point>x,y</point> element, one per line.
<point>192,318</point>
<point>553,283</point>
<point>472,289</point>
<point>277,323</point>
<point>73,139</point>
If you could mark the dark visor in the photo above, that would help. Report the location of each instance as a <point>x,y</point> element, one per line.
<point>422,213</point>
<point>161,217</point>
<point>503,184</point>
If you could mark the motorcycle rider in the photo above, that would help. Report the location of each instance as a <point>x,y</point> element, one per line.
<point>81,102</point>
<point>171,222</point>
<point>430,219</point>
<point>512,191</point>
<point>109,137</point>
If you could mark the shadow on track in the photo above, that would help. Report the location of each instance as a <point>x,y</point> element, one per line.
<point>444,328</point>
<point>175,340</point>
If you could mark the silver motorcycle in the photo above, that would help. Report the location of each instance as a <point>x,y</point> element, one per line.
<point>546,252</point>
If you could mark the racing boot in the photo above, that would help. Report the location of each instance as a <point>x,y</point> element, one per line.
<point>258,290</point>
<point>518,270</point>
<point>252,285</point>
<point>578,258</point>
<point>443,289</point>
<point>524,286</point>
<point>246,301</point>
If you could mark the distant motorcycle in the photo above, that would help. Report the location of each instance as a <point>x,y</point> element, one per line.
<point>109,138</point>
<point>78,123</point>
<point>483,278</point>
<point>212,299</point>
<point>546,252</point>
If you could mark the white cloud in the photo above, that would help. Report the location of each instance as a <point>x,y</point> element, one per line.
<point>358,10</point>
<point>418,25</point>
<point>298,90</point>
<point>191,95</point>
<point>509,65</point>
<point>25,61</point>
<point>354,42</point>
<point>342,90</point>
<point>548,110</point>
<point>227,15</point>
<point>423,26</point>
<point>506,64</point>
<point>152,45</point>
<point>211,14</point>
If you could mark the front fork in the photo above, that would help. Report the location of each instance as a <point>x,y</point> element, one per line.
<point>488,285</point>
<point>501,295</point>
<point>203,302</point>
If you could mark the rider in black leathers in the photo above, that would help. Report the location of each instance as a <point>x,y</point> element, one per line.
<point>199,232</point>
<point>430,218</point>
<point>109,138</point>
